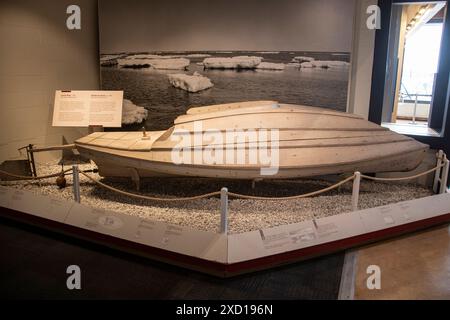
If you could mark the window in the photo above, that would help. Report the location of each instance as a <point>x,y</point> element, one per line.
<point>415,38</point>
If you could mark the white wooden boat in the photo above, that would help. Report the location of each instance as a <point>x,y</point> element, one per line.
<point>311,141</point>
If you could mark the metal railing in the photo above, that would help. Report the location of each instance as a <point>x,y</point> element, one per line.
<point>414,97</point>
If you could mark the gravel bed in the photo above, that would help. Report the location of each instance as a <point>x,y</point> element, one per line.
<point>203,214</point>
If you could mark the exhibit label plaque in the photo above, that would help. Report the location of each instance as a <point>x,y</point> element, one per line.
<point>87,108</point>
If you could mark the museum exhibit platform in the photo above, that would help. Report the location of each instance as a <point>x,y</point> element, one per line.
<point>224,254</point>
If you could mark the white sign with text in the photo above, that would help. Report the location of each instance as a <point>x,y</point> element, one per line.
<point>88,108</point>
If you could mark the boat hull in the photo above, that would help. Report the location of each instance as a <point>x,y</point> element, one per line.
<point>120,165</point>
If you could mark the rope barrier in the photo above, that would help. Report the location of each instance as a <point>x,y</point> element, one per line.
<point>310,194</point>
<point>243,196</point>
<point>33,178</point>
<point>231,194</point>
<point>206,195</point>
<point>403,178</point>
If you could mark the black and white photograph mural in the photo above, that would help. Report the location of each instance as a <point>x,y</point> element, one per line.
<point>168,56</point>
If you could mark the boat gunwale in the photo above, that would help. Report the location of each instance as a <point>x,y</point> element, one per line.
<point>384,133</point>
<point>294,129</point>
<point>166,149</point>
<point>152,147</point>
<point>407,139</point>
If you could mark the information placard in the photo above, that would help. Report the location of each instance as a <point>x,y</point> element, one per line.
<point>87,108</point>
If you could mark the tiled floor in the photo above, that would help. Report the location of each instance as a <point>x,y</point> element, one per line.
<point>33,266</point>
<point>415,266</point>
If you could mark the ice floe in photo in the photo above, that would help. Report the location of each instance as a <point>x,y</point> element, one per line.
<point>270,66</point>
<point>162,64</point>
<point>108,63</point>
<point>293,65</point>
<point>190,83</point>
<point>170,64</point>
<point>330,64</point>
<point>268,52</point>
<point>154,56</point>
<point>306,65</point>
<point>109,59</point>
<point>319,64</point>
<point>133,63</point>
<point>238,62</point>
<point>302,59</point>
<point>168,56</point>
<point>132,113</point>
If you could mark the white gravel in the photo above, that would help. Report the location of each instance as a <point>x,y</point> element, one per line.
<point>203,214</point>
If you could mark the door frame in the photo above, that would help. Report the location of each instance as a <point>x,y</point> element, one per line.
<point>439,114</point>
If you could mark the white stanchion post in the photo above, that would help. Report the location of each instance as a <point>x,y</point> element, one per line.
<point>224,210</point>
<point>355,190</point>
<point>76,183</point>
<point>437,174</point>
<point>443,186</point>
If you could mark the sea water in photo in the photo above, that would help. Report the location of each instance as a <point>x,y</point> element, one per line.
<point>150,88</point>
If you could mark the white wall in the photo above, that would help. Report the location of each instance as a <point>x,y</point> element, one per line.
<point>362,61</point>
<point>39,55</point>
